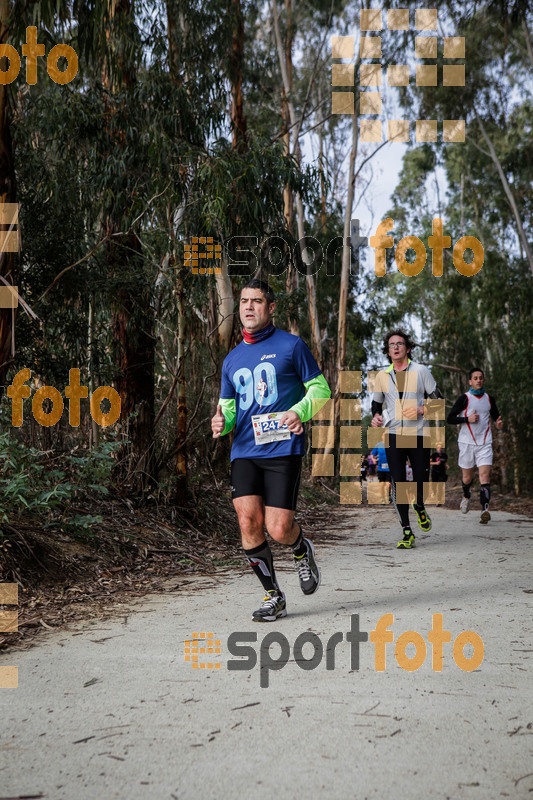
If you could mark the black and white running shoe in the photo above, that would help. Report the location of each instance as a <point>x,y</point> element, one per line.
<point>465,505</point>
<point>273,607</point>
<point>308,572</point>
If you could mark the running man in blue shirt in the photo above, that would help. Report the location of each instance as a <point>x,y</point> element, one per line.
<point>272,375</point>
<point>380,453</point>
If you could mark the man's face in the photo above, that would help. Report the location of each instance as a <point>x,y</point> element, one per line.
<point>255,310</point>
<point>397,348</point>
<point>477,380</point>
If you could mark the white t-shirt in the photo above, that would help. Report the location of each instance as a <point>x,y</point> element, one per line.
<point>414,383</point>
<point>479,432</point>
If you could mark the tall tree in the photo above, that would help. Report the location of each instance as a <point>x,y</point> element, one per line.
<point>8,193</point>
<point>133,317</point>
<point>310,281</point>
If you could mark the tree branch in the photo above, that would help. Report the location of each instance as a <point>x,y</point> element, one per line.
<point>507,190</point>
<point>89,254</point>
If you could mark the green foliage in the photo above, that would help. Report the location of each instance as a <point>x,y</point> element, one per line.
<point>29,486</point>
<point>484,320</point>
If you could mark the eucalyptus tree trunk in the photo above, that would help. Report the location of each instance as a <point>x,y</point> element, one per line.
<point>528,40</point>
<point>224,307</point>
<point>175,220</point>
<point>346,255</point>
<point>508,193</point>
<point>93,428</point>
<point>238,119</point>
<point>345,272</point>
<point>181,433</point>
<point>133,316</point>
<point>516,462</point>
<point>321,168</point>
<point>223,283</point>
<point>7,195</point>
<point>291,283</point>
<point>309,278</point>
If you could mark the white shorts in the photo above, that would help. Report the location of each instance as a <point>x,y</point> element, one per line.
<point>478,455</point>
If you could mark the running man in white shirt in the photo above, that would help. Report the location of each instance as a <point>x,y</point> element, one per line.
<point>472,411</point>
<point>398,405</point>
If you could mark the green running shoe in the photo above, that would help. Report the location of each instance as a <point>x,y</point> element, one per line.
<point>424,522</point>
<point>408,541</point>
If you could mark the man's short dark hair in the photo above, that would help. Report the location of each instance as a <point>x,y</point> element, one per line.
<point>475,369</point>
<point>263,286</point>
<point>409,344</point>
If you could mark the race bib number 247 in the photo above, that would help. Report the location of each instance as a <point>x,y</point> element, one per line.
<point>267,428</point>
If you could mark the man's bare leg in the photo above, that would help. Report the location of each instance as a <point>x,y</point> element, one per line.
<point>468,477</point>
<point>251,514</point>
<point>484,491</point>
<point>281,526</point>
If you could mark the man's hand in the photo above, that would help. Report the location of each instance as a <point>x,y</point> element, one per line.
<point>218,423</point>
<point>474,416</point>
<point>410,412</point>
<point>499,423</point>
<point>294,423</point>
<point>377,421</point>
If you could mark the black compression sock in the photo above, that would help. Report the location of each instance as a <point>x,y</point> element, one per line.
<point>484,496</point>
<point>298,547</point>
<point>466,490</point>
<point>262,563</point>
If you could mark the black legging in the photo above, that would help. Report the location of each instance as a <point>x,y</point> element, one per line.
<point>419,457</point>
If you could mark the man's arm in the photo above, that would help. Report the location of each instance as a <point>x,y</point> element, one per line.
<point>381,383</point>
<point>377,411</point>
<point>316,387</point>
<point>495,414</point>
<point>317,393</point>
<point>431,391</point>
<point>460,404</point>
<point>226,414</point>
<point>429,384</point>
<point>230,414</point>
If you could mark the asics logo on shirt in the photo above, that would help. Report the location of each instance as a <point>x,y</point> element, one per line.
<point>272,355</point>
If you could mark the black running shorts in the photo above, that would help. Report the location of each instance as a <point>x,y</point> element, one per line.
<point>384,476</point>
<point>276,480</point>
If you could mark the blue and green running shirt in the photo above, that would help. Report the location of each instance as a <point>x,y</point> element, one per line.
<point>268,376</point>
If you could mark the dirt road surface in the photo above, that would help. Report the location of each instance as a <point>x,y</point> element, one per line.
<point>111,708</point>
